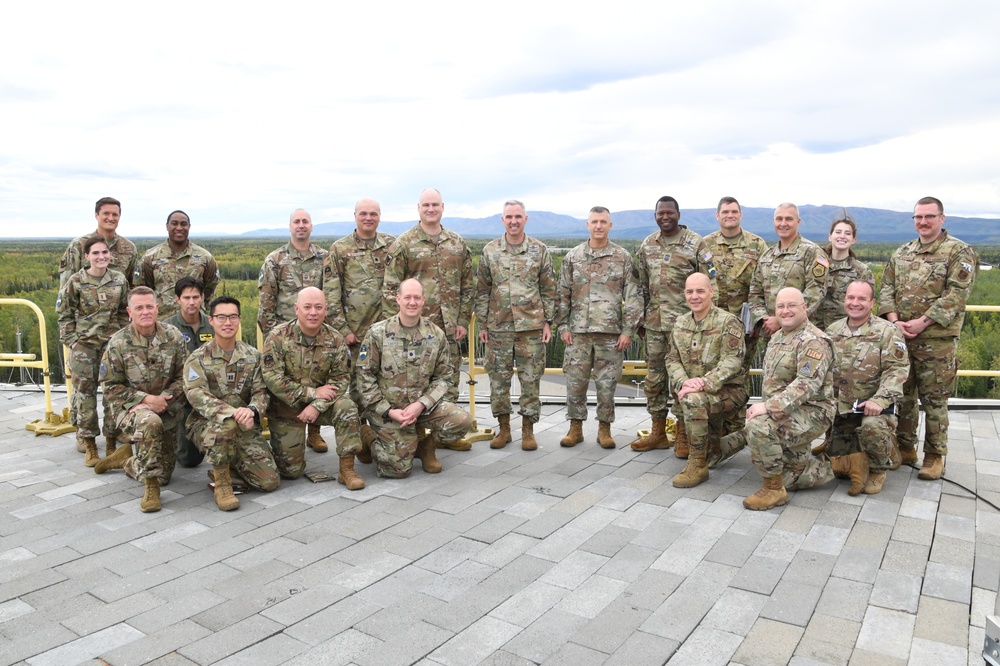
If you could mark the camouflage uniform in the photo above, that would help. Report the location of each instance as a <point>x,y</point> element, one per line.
<point>515,298</point>
<point>123,258</point>
<point>803,265</point>
<point>599,299</point>
<point>444,267</point>
<point>284,274</point>
<point>188,454</point>
<point>935,281</point>
<point>294,366</point>
<point>90,310</point>
<point>135,366</point>
<point>161,267</point>
<point>664,263</point>
<point>842,273</point>
<point>798,394</point>
<point>398,366</point>
<point>215,387</point>
<point>712,349</point>
<point>870,363</point>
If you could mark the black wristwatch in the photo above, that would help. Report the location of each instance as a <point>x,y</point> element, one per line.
<point>256,414</point>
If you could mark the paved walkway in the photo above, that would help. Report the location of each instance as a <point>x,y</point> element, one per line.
<point>562,556</point>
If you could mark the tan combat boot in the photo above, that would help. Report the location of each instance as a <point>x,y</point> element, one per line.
<point>841,466</point>
<point>425,452</point>
<point>116,460</point>
<point>821,448</point>
<point>696,471</point>
<point>91,456</point>
<point>347,476</point>
<point>772,494</point>
<point>224,497</point>
<point>314,440</point>
<point>502,438</point>
<point>575,434</point>
<point>81,444</point>
<point>858,472</point>
<point>933,467</point>
<point>682,448</point>
<point>110,445</point>
<point>368,438</point>
<point>604,437</point>
<point>907,456</point>
<point>895,457</point>
<point>528,442</point>
<point>656,439</point>
<point>150,502</point>
<point>460,445</point>
<point>875,481</point>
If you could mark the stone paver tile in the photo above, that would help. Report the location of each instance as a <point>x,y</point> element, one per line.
<point>735,612</point>
<point>529,604</point>
<point>879,511</point>
<point>862,657</point>
<point>340,650</point>
<point>906,557</point>
<point>277,649</point>
<point>826,539</point>
<point>686,510</point>
<point>830,629</point>
<point>545,635</point>
<point>780,545</point>
<point>953,551</point>
<point>760,574</point>
<point>809,567</point>
<point>796,519</point>
<point>560,543</point>
<point>845,599</point>
<point>733,549</point>
<point>505,550</point>
<point>792,603</point>
<point>860,564</point>
<point>450,555</point>
<point>914,530</point>
<point>678,616</point>
<point>639,516</point>
<point>983,604</point>
<point>948,582</point>
<point>14,608</point>
<point>231,639</point>
<point>897,591</point>
<point>329,622</point>
<point>154,646</point>
<point>485,635</point>
<point>409,646</point>
<point>958,527</point>
<point>363,575</point>
<point>629,563</point>
<point>572,571</point>
<point>117,611</point>
<point>886,632</point>
<point>591,597</point>
<point>943,621</point>
<point>458,580</point>
<point>642,649</point>
<point>925,652</point>
<point>769,642</point>
<point>573,654</point>
<point>706,646</point>
<point>87,647</point>
<point>869,536</point>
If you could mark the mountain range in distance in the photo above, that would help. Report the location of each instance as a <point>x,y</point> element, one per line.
<point>874,225</point>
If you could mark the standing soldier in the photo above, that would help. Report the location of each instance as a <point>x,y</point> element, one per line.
<point>162,266</point>
<point>515,307</point>
<point>91,307</point>
<point>924,290</point>
<point>441,261</point>
<point>307,369</point>
<point>600,310</point>
<point>403,374</point>
<point>869,369</point>
<point>665,259</point>
<point>224,384</point>
<point>141,371</point>
<point>196,330</point>
<point>108,212</point>
<point>845,268</point>
<point>288,270</point>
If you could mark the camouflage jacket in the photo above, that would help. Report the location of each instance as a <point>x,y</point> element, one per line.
<point>134,367</point>
<point>516,286</point>
<point>842,273</point>
<point>445,270</point>
<point>160,268</point>
<point>870,363</point>
<point>284,274</point>
<point>599,291</point>
<point>664,264</point>
<point>735,260</point>
<point>798,372</point>
<point>932,280</point>
<point>804,265</point>
<point>399,366</point>
<point>215,387</point>
<point>352,280</point>
<point>90,310</point>
<point>712,349</point>
<point>123,258</point>
<point>193,337</point>
<point>294,366</point>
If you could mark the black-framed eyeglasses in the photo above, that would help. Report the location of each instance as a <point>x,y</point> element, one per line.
<point>929,218</point>
<point>230,317</point>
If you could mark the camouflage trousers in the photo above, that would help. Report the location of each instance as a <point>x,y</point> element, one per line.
<point>153,436</point>
<point>735,421</point>
<point>288,436</point>
<point>933,370</point>
<point>84,366</point>
<point>504,349</point>
<point>854,433</point>
<point>592,352</point>
<point>455,352</point>
<point>228,444</point>
<point>657,393</point>
<point>188,454</point>
<point>784,448</point>
<point>705,414</point>
<point>393,450</point>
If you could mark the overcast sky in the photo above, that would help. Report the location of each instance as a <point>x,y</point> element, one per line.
<point>240,112</point>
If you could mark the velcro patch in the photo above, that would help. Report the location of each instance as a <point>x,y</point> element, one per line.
<point>206,337</point>
<point>192,375</point>
<point>812,353</point>
<point>268,360</point>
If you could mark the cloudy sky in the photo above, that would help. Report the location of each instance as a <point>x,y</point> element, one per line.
<point>240,112</point>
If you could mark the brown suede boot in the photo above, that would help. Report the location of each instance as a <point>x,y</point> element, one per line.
<point>841,467</point>
<point>224,497</point>
<point>91,456</point>
<point>821,448</point>
<point>314,440</point>
<point>81,444</point>
<point>696,471</point>
<point>895,457</point>
<point>150,502</point>
<point>772,494</point>
<point>876,479</point>
<point>528,442</point>
<point>502,438</point>
<point>682,448</point>
<point>575,434</point>
<point>425,452</point>
<point>347,476</point>
<point>368,438</point>
<point>604,437</point>
<point>933,467</point>
<point>656,439</point>
<point>116,460</point>
<point>907,456</point>
<point>858,472</point>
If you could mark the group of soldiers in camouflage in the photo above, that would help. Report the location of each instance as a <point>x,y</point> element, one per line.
<point>366,337</point>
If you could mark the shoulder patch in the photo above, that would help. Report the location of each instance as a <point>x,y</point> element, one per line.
<point>735,332</point>
<point>901,345</point>
<point>104,371</point>
<point>192,375</point>
<point>967,266</point>
<point>268,360</point>
<point>806,369</point>
<point>823,261</point>
<point>363,354</point>
<point>812,353</point>
<point>59,301</point>
<point>135,275</point>
<point>260,277</point>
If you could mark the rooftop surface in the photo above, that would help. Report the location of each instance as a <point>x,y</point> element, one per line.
<point>559,556</point>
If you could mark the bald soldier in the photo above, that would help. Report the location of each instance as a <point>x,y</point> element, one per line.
<point>307,369</point>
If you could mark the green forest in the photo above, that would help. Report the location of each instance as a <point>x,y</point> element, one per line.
<point>28,270</point>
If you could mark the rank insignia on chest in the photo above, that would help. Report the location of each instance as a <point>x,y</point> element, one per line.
<point>102,297</point>
<point>230,377</point>
<point>410,354</point>
<point>694,344</point>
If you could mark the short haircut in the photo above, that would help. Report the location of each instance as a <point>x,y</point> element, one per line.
<point>223,300</point>
<point>788,204</point>
<point>600,209</point>
<point>140,291</point>
<point>668,199</point>
<point>171,214</point>
<point>728,200</point>
<point>94,240</point>
<point>187,282</point>
<point>866,283</point>
<point>931,200</point>
<point>513,202</point>
<point>107,201</point>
